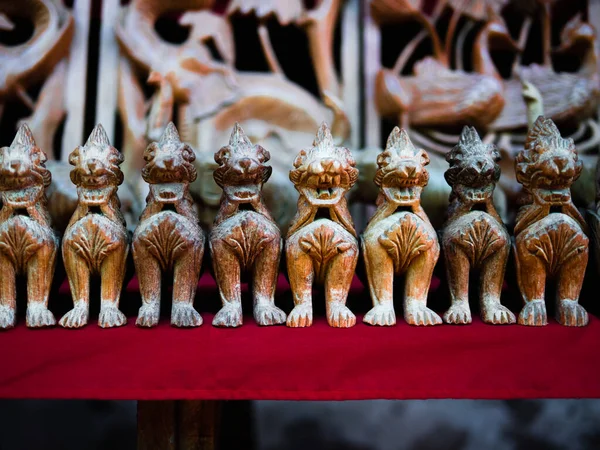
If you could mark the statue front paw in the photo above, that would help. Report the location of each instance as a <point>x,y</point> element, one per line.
<point>110,317</point>
<point>184,315</point>
<point>38,315</point>
<point>416,313</point>
<point>76,318</point>
<point>229,315</point>
<point>382,315</point>
<point>339,316</point>
<point>498,315</point>
<point>534,314</point>
<point>148,315</point>
<point>268,314</point>
<point>301,316</point>
<point>458,314</point>
<point>571,314</point>
<point>8,318</point>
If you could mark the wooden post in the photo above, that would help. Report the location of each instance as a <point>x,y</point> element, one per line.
<point>76,79</point>
<point>372,64</point>
<point>178,425</point>
<point>106,99</point>
<point>156,425</point>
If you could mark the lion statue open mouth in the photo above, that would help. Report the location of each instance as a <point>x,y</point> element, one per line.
<point>168,237</point>
<point>27,242</point>
<point>323,249</point>
<point>245,238</point>
<point>550,233</point>
<point>474,235</point>
<point>96,241</point>
<point>399,238</point>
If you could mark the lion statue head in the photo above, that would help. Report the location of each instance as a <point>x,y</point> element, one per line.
<point>401,174</point>
<point>548,165</point>
<point>169,169</point>
<point>474,169</point>
<point>325,172</point>
<point>22,165</point>
<point>242,170</point>
<point>96,173</point>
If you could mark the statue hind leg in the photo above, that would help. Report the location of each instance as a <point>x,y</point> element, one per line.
<point>301,275</point>
<point>186,273</point>
<point>337,284</point>
<point>570,279</point>
<point>112,274</point>
<point>8,293</point>
<point>457,269</point>
<point>78,274</point>
<point>149,276</point>
<point>380,275</point>
<point>40,271</point>
<point>418,279</point>
<point>264,282</point>
<point>531,277</point>
<point>227,273</point>
<point>492,277</point>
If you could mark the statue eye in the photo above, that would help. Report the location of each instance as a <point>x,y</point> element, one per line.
<point>384,159</point>
<point>222,156</point>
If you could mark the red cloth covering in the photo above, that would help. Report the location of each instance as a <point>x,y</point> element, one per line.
<point>316,363</point>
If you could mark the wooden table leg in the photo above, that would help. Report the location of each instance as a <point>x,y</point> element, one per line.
<point>156,425</point>
<point>178,425</point>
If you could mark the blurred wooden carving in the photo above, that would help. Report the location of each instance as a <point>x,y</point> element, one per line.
<point>440,96</point>
<point>96,241</point>
<point>27,242</point>
<point>168,239</point>
<point>245,239</point>
<point>474,238</point>
<point>210,95</point>
<point>322,249</point>
<point>550,233</point>
<point>399,238</point>
<point>41,58</point>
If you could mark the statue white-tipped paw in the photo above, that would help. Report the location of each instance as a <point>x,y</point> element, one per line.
<point>38,315</point>
<point>382,315</point>
<point>417,313</point>
<point>110,317</point>
<point>76,318</point>
<point>534,314</point>
<point>498,315</point>
<point>268,314</point>
<point>571,314</point>
<point>184,315</point>
<point>301,316</point>
<point>148,315</point>
<point>458,314</point>
<point>339,316</point>
<point>8,318</point>
<point>229,315</point>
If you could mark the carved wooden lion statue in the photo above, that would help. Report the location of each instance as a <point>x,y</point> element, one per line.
<point>245,236</point>
<point>472,237</point>
<point>550,233</point>
<point>322,249</point>
<point>27,243</point>
<point>399,237</point>
<point>169,239</point>
<point>95,241</point>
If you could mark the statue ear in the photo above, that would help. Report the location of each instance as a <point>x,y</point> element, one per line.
<point>74,157</point>
<point>188,153</point>
<point>150,151</point>
<point>424,157</point>
<point>222,156</point>
<point>263,154</point>
<point>299,159</point>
